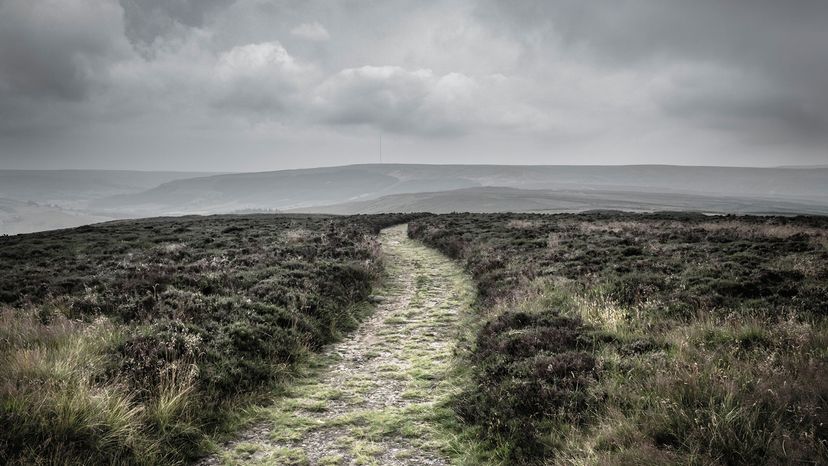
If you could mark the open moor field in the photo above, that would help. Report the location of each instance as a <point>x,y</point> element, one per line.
<point>596,338</point>
<point>129,342</point>
<point>612,338</point>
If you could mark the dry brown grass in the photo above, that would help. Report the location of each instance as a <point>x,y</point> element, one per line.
<point>759,230</point>
<point>297,235</point>
<point>519,224</point>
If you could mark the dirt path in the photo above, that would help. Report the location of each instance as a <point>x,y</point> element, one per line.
<point>378,397</point>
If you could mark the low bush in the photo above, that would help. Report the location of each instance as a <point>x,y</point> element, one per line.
<point>532,371</point>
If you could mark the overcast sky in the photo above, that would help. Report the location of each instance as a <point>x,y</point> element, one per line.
<point>265,84</point>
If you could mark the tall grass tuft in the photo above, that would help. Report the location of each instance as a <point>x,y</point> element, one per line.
<point>51,396</point>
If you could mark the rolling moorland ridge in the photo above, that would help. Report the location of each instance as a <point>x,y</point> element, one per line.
<point>493,199</point>
<point>309,188</point>
<point>32,200</point>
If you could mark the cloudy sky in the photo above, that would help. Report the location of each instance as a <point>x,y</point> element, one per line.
<point>241,85</point>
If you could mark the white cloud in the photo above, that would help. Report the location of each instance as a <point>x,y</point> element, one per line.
<point>311,31</point>
<point>263,78</point>
<point>256,59</point>
<point>418,101</point>
<point>386,96</point>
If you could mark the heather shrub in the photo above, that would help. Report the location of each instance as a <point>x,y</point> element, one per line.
<point>204,315</point>
<point>532,372</point>
<point>680,338</point>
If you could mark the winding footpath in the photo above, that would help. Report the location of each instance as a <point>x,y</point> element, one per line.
<point>380,396</point>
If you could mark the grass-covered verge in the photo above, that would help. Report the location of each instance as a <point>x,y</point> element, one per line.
<point>616,338</point>
<point>381,396</point>
<point>132,342</point>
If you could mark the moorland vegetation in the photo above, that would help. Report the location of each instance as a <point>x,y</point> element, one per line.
<point>602,338</point>
<point>612,338</point>
<point>132,342</point>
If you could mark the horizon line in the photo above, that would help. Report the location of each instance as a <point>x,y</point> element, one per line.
<point>226,172</point>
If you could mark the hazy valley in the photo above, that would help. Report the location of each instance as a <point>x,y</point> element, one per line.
<point>72,198</point>
<point>37,200</point>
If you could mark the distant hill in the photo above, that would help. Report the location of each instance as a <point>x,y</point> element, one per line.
<point>804,167</point>
<point>62,187</point>
<point>27,217</point>
<point>37,200</point>
<point>492,199</point>
<point>302,189</point>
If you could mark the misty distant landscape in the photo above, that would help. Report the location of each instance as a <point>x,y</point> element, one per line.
<point>36,201</point>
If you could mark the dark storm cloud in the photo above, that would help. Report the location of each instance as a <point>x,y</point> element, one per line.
<point>769,115</point>
<point>767,33</point>
<point>147,19</point>
<point>54,57</point>
<point>552,81</point>
<point>55,50</point>
<point>781,46</point>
